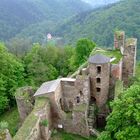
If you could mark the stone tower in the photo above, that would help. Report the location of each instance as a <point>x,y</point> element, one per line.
<point>119,40</point>
<point>99,71</point>
<point>129,60</point>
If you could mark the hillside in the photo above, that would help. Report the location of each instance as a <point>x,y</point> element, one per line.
<point>100,24</point>
<point>15,15</point>
<point>37,31</point>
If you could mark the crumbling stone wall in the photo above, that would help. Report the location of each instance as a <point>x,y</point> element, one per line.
<point>69,95</point>
<point>116,71</point>
<point>116,74</point>
<point>129,60</point>
<point>5,135</point>
<point>66,111</point>
<point>25,101</point>
<point>82,85</point>
<point>77,124</point>
<point>119,40</point>
<point>32,128</point>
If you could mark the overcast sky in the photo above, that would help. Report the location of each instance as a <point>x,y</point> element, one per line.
<point>100,2</point>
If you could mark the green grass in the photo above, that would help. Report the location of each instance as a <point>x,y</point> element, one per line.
<point>67,136</point>
<point>12,117</point>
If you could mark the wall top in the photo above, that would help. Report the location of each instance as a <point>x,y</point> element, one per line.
<point>131,42</point>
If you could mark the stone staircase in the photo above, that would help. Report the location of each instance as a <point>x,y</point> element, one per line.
<point>91,116</point>
<point>91,120</point>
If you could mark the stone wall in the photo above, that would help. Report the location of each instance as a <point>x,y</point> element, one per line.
<point>119,40</point>
<point>77,124</point>
<point>129,60</point>
<point>69,95</point>
<point>32,128</point>
<point>116,71</point>
<point>71,104</point>
<point>116,74</point>
<point>5,135</point>
<point>25,101</point>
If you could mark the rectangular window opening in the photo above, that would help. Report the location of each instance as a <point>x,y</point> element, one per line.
<point>99,69</point>
<point>98,89</point>
<point>98,80</point>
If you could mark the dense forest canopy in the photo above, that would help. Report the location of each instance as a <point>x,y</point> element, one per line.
<point>123,122</point>
<point>98,25</point>
<point>40,64</point>
<point>101,23</point>
<point>15,15</point>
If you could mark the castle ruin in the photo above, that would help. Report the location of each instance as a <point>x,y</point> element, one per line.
<point>79,104</point>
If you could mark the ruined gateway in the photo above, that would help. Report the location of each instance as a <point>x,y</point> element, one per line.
<point>79,104</point>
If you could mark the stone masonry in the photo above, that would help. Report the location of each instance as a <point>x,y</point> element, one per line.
<point>79,105</point>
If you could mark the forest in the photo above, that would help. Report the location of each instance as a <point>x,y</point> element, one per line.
<point>16,15</point>
<point>100,24</point>
<point>40,64</point>
<point>97,24</point>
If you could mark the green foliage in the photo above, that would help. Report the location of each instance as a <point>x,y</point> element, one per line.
<point>3,125</point>
<point>44,63</point>
<point>44,123</point>
<point>123,122</point>
<point>12,118</point>
<point>136,78</point>
<point>83,50</point>
<point>19,46</point>
<point>48,62</point>
<point>11,77</point>
<point>118,88</point>
<point>39,17</point>
<point>100,24</point>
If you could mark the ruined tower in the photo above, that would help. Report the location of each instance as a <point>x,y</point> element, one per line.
<point>119,40</point>
<point>99,70</point>
<point>129,60</point>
